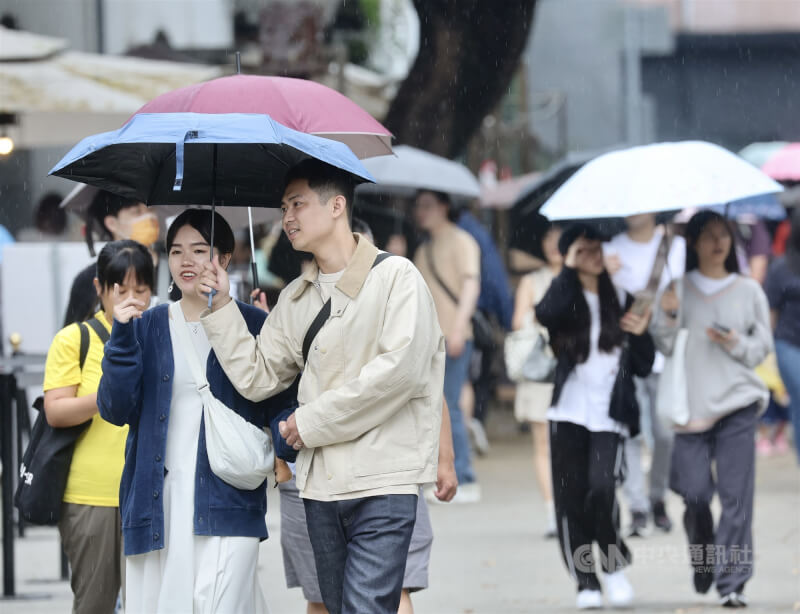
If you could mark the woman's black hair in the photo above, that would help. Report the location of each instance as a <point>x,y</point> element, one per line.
<point>443,198</point>
<point>200,220</point>
<point>574,341</point>
<point>695,227</point>
<point>117,258</point>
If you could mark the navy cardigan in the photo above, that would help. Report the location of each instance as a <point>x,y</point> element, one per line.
<point>136,389</point>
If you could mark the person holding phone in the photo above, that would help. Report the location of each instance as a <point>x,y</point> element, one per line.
<point>599,345</point>
<point>727,318</point>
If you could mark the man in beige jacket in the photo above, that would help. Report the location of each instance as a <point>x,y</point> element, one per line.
<point>370,396</point>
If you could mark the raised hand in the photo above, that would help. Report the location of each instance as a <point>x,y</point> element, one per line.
<point>214,277</point>
<point>126,308</point>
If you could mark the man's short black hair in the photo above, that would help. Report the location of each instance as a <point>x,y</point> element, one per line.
<point>326,180</point>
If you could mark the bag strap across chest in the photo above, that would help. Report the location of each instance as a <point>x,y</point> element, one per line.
<point>325,313</point>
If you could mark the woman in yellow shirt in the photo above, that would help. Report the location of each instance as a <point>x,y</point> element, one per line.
<point>90,523</point>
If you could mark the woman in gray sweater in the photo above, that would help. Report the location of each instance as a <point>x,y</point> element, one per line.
<point>729,334</point>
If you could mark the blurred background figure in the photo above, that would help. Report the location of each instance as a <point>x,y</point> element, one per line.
<point>450,264</point>
<point>783,292</point>
<point>632,258</point>
<point>51,222</point>
<point>533,398</point>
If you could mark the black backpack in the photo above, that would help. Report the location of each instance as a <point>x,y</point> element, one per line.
<point>45,465</point>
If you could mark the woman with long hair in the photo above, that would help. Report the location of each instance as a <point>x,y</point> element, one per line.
<point>90,523</point>
<point>533,398</point>
<point>191,540</point>
<point>783,291</point>
<point>729,334</point>
<point>600,344</point>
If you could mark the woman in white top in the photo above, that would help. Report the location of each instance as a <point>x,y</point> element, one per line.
<point>191,540</point>
<point>729,334</point>
<point>599,348</point>
<point>533,398</point>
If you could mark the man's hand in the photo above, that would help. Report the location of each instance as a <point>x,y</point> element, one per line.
<point>214,277</point>
<point>288,430</point>
<point>446,481</point>
<point>127,309</point>
<point>635,324</point>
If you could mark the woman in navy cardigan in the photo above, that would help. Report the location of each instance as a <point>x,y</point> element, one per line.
<point>191,540</point>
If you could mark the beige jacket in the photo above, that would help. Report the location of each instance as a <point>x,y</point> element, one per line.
<point>371,394</point>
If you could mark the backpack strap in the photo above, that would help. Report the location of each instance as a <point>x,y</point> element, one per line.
<point>84,343</point>
<point>325,313</point>
<point>98,328</point>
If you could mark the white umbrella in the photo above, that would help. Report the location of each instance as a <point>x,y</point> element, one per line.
<point>414,169</point>
<point>655,178</point>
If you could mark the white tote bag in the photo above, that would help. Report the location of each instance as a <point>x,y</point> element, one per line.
<point>672,397</point>
<point>240,453</point>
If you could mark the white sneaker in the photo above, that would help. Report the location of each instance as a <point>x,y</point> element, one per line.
<point>618,589</point>
<point>589,600</point>
<point>479,438</point>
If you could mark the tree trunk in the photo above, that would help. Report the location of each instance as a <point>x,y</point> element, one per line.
<point>469,51</point>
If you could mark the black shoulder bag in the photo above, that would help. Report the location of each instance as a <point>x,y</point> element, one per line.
<point>325,313</point>
<point>45,465</point>
<point>481,327</point>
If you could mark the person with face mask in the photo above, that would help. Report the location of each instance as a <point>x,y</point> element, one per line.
<point>113,218</point>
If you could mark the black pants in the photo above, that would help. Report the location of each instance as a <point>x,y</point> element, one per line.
<point>585,467</point>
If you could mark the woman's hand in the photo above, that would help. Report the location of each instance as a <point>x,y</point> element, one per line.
<point>635,324</point>
<point>571,259</point>
<point>259,299</point>
<point>127,309</point>
<point>670,303</point>
<point>727,340</point>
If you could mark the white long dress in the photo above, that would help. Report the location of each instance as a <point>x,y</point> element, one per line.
<point>193,574</point>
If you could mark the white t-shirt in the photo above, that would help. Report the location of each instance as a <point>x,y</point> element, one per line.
<point>709,285</point>
<point>586,395</point>
<point>326,282</point>
<point>637,261</point>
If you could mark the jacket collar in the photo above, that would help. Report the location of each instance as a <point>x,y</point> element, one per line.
<point>354,275</point>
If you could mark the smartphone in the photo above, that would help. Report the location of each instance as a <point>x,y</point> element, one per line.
<point>723,330</point>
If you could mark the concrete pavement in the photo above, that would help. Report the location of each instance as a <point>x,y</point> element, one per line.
<point>491,558</point>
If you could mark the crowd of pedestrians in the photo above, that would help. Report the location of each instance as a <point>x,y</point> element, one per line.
<point>372,372</point>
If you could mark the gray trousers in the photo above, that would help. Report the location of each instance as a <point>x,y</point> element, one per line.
<point>92,539</point>
<point>728,551</point>
<point>634,487</point>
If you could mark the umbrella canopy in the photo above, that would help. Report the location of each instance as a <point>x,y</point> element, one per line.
<point>784,164</point>
<point>59,96</point>
<point>80,198</point>
<point>196,158</point>
<point>656,178</point>
<point>758,153</point>
<point>299,104</point>
<point>505,192</point>
<point>413,169</point>
<point>765,207</point>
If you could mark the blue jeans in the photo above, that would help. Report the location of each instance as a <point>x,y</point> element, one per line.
<point>456,371</point>
<point>360,550</point>
<point>789,366</point>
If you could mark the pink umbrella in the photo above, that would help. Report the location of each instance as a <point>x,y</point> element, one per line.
<point>299,104</point>
<point>784,164</point>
